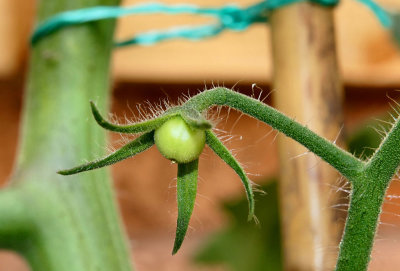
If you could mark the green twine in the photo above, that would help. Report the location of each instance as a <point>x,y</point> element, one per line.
<point>396,28</point>
<point>384,17</point>
<point>227,17</point>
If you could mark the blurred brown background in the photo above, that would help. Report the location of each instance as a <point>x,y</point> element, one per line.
<point>370,64</point>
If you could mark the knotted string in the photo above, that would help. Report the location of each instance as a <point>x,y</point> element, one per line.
<point>230,17</point>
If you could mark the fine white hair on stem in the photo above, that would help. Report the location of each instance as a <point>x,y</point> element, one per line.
<point>201,195</point>
<point>392,203</point>
<point>391,213</point>
<point>234,85</point>
<point>144,111</point>
<point>388,224</point>
<point>259,140</point>
<point>392,196</point>
<point>379,132</point>
<point>338,134</point>
<point>299,155</point>
<point>341,202</point>
<point>173,183</point>
<point>275,137</point>
<point>345,189</point>
<point>221,133</point>
<point>395,109</point>
<point>384,121</point>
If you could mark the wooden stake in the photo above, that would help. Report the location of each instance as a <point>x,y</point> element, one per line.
<point>307,87</point>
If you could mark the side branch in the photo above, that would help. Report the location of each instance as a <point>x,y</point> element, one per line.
<point>344,162</point>
<point>385,161</point>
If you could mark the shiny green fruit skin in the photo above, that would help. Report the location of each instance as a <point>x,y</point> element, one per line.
<point>179,142</point>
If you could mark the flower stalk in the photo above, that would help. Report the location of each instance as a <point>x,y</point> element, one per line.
<point>369,180</point>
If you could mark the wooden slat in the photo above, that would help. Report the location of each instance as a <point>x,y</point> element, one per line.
<point>310,91</point>
<point>366,53</point>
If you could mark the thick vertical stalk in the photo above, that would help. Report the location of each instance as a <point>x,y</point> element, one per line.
<point>366,203</point>
<point>73,222</point>
<point>365,207</point>
<point>307,87</point>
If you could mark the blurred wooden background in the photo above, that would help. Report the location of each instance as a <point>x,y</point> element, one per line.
<point>370,64</point>
<point>367,55</point>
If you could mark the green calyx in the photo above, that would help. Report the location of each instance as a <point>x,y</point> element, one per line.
<point>179,142</point>
<point>180,134</point>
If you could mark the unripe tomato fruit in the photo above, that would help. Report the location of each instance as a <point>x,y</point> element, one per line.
<point>179,142</point>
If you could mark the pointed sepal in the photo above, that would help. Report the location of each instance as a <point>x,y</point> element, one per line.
<point>136,146</point>
<point>216,145</point>
<point>139,127</point>
<point>186,195</point>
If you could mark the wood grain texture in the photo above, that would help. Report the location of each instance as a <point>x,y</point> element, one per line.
<point>307,88</point>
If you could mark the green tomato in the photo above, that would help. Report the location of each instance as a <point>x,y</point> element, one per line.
<point>179,142</point>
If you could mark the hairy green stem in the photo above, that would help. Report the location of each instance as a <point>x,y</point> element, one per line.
<point>385,161</point>
<point>362,219</point>
<point>73,222</point>
<point>343,161</point>
<point>366,203</point>
<point>369,180</point>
